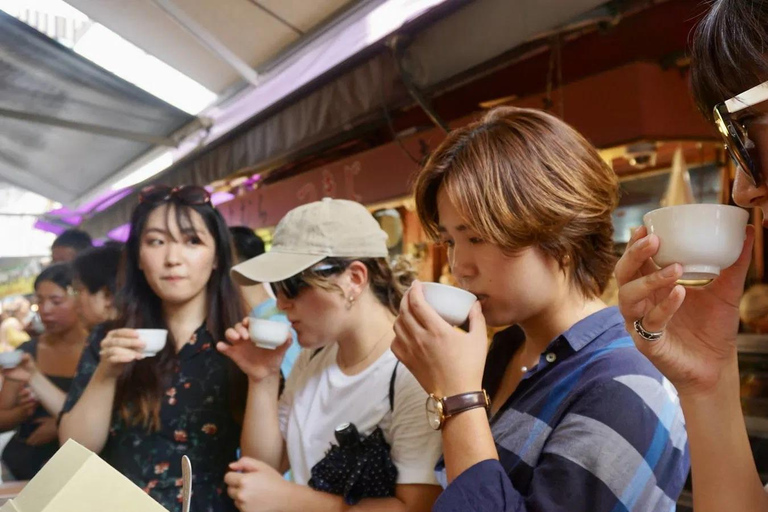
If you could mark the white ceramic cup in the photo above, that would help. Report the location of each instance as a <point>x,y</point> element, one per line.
<point>10,360</point>
<point>703,238</point>
<point>268,333</point>
<point>154,340</point>
<point>451,303</point>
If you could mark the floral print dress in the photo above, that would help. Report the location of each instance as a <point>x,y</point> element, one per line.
<point>197,420</point>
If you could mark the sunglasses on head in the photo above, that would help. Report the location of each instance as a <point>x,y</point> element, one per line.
<point>291,287</point>
<point>735,134</point>
<point>186,194</point>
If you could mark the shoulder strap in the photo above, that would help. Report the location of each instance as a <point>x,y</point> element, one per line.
<point>392,388</point>
<point>30,347</point>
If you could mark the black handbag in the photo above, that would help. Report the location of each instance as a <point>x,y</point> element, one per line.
<point>359,466</point>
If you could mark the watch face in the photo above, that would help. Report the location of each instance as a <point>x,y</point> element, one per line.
<point>434,412</point>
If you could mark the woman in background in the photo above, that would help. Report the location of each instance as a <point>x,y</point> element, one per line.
<point>47,369</point>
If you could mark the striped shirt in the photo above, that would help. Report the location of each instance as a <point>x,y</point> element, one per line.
<point>593,427</point>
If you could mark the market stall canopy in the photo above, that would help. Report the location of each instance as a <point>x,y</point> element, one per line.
<point>212,41</point>
<point>258,131</point>
<point>69,127</point>
<point>65,123</point>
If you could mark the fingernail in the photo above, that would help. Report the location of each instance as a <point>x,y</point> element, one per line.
<point>669,271</point>
<point>642,242</point>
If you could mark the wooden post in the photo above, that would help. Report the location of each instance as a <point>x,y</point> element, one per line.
<point>416,244</point>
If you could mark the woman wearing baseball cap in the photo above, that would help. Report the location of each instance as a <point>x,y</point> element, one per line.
<point>330,272</point>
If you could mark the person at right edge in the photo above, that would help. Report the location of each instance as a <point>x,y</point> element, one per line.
<point>579,421</point>
<point>697,327</point>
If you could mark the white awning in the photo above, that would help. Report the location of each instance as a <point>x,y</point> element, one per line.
<point>194,36</point>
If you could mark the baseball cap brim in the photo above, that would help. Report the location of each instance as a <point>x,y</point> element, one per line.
<point>273,266</point>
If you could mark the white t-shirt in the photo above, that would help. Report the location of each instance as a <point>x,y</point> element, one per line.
<point>318,397</point>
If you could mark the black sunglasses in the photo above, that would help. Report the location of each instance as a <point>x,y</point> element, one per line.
<point>186,194</point>
<point>292,286</point>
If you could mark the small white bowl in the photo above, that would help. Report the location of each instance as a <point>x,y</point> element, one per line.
<point>10,360</point>
<point>451,303</point>
<point>268,333</point>
<point>154,340</point>
<point>703,238</point>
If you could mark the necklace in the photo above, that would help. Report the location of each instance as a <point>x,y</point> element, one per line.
<point>345,366</point>
<point>524,368</point>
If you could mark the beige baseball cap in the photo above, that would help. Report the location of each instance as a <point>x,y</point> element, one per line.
<point>312,232</point>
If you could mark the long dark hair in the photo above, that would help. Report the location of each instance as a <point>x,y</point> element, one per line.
<point>141,386</point>
<point>728,51</point>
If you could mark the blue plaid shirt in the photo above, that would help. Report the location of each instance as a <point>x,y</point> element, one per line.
<point>594,427</point>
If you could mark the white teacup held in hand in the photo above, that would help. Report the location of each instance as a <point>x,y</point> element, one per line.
<point>703,238</point>
<point>10,360</point>
<point>451,303</point>
<point>268,333</point>
<point>154,340</point>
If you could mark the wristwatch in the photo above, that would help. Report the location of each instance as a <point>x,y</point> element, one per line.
<point>440,409</point>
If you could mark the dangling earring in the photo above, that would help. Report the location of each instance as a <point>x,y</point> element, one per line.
<point>350,302</point>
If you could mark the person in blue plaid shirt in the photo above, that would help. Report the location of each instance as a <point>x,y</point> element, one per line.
<point>580,420</point>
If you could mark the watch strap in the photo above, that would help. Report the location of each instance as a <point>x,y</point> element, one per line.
<point>456,404</point>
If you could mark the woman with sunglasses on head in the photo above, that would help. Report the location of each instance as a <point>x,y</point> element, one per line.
<point>329,270</point>
<point>579,421</point>
<point>142,413</point>
<point>46,370</point>
<point>690,333</point>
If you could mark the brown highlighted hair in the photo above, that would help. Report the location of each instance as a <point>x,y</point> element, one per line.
<point>728,52</point>
<point>523,178</point>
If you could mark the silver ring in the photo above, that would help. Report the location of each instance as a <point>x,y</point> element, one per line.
<point>647,335</point>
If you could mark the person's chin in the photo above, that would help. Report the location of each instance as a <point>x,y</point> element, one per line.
<point>175,297</point>
<point>495,324</point>
<point>493,318</point>
<point>309,342</point>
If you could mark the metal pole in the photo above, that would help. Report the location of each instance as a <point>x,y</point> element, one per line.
<point>89,128</point>
<point>208,40</point>
<point>398,44</point>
